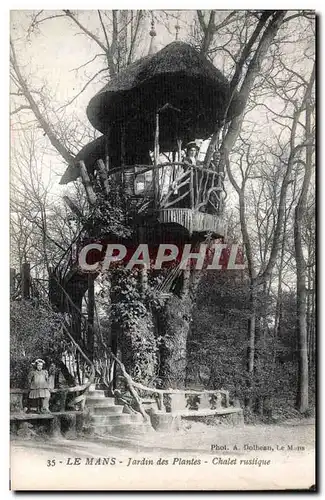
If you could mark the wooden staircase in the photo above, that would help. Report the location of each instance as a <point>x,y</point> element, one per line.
<point>109,418</point>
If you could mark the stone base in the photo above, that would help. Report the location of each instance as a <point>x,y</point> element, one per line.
<point>163,422</point>
<point>55,424</point>
<point>236,418</point>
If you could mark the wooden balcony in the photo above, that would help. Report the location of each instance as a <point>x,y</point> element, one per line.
<point>178,193</point>
<point>193,220</point>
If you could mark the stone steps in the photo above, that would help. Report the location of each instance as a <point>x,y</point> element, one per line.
<point>133,429</point>
<point>100,401</point>
<point>107,418</point>
<point>122,429</point>
<point>105,410</point>
<point>116,418</point>
<point>97,393</point>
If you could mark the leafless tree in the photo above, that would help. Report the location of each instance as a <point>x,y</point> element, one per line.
<point>41,225</point>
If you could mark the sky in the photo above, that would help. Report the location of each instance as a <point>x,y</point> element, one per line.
<point>57,49</point>
<point>50,56</point>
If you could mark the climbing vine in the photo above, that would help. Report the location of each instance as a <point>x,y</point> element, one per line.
<point>132,320</point>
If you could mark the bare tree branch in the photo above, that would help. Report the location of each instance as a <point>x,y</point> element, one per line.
<point>83,88</point>
<point>43,122</point>
<point>91,35</point>
<point>20,108</point>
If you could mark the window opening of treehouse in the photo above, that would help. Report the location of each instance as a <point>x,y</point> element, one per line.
<point>143,182</point>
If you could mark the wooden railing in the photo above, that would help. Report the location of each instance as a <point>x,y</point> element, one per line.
<point>174,400</point>
<point>180,185</point>
<point>196,187</point>
<point>103,363</point>
<point>19,397</point>
<point>82,364</point>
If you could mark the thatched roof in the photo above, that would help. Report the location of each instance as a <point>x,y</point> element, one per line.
<point>90,153</point>
<point>100,147</point>
<point>177,74</point>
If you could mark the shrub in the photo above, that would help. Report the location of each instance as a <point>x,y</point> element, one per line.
<point>35,332</point>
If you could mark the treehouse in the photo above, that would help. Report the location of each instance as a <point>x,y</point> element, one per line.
<point>147,114</point>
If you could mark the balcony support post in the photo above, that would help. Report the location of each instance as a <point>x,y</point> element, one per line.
<point>156,159</point>
<point>192,188</point>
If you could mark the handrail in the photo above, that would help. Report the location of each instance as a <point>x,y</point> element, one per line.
<point>75,388</point>
<point>104,377</point>
<point>147,168</point>
<point>193,188</point>
<point>100,367</point>
<point>68,250</point>
<point>64,324</point>
<point>130,384</point>
<point>161,392</point>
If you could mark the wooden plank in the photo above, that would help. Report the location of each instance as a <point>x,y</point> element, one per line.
<point>181,216</point>
<point>87,184</point>
<point>208,222</point>
<point>107,149</point>
<point>192,189</point>
<point>55,427</point>
<point>173,202</point>
<point>193,220</point>
<point>155,176</point>
<point>200,186</point>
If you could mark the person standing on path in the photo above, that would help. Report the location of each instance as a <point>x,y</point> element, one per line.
<point>38,380</point>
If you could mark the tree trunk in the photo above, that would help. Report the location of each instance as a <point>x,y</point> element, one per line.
<point>278,307</point>
<point>254,67</point>
<point>251,333</point>
<point>132,327</point>
<point>302,392</point>
<point>302,389</point>
<point>174,325</point>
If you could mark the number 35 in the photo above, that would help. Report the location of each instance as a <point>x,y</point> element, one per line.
<point>51,463</point>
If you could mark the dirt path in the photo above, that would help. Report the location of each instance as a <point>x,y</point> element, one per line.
<point>247,457</point>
